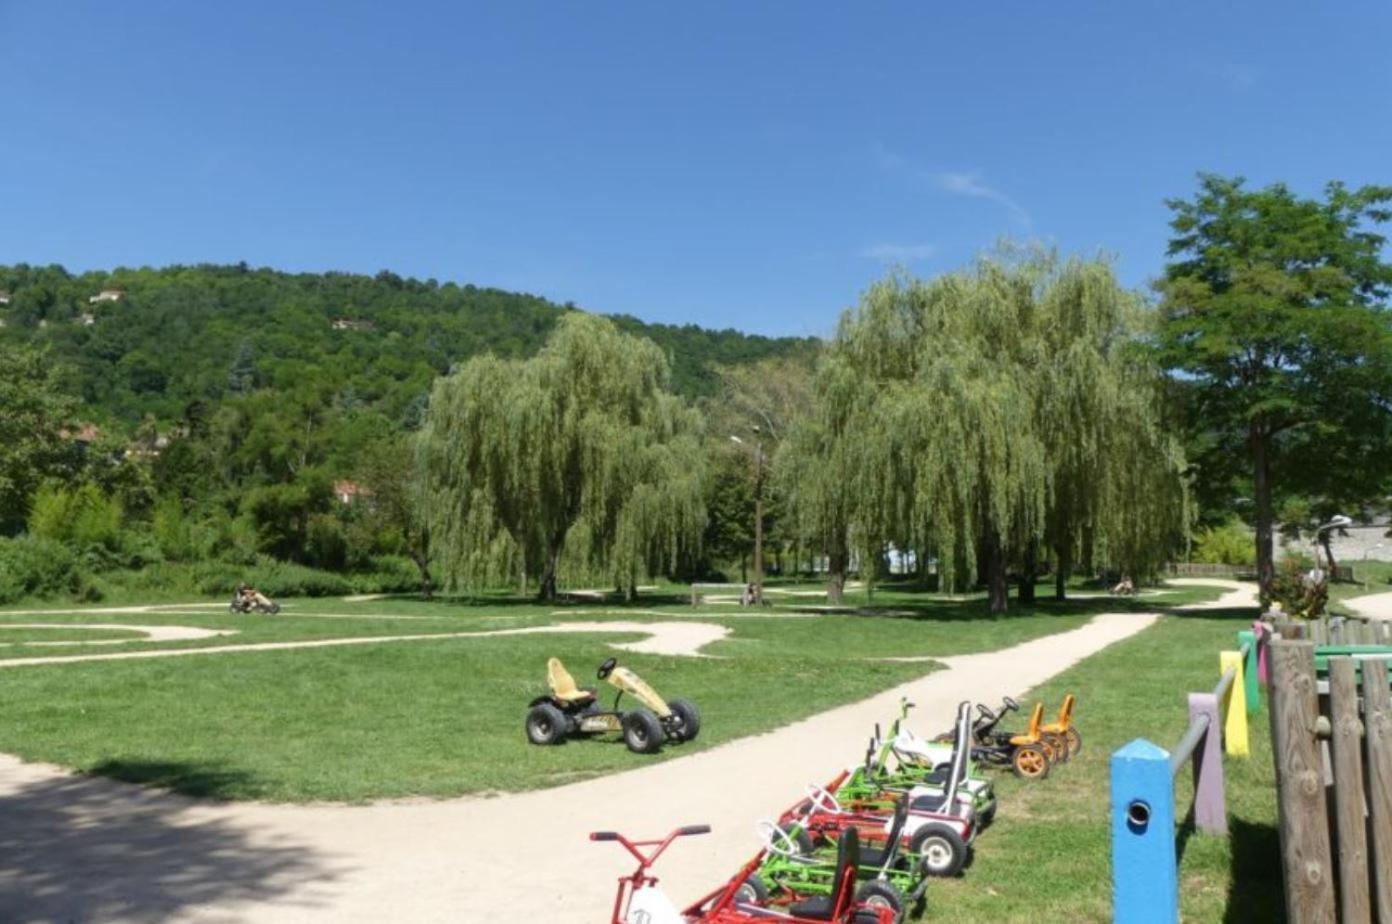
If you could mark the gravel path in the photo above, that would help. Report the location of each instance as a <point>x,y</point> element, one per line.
<point>87,849</point>
<point>1374,606</point>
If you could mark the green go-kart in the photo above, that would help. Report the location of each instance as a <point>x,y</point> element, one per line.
<point>794,870</point>
<point>873,785</point>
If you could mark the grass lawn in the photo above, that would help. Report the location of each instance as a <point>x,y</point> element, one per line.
<point>1047,857</point>
<point>443,717</point>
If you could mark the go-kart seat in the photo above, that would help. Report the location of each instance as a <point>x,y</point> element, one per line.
<point>877,856</point>
<point>824,907</point>
<point>1032,735</point>
<point>931,802</point>
<point>1065,718</point>
<point>563,685</point>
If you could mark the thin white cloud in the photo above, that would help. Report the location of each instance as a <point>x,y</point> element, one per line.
<point>957,182</point>
<point>970,184</point>
<point>899,253</point>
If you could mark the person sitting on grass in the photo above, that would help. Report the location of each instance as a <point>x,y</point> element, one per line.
<point>1125,588</point>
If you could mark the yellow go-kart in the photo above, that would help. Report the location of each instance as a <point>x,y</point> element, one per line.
<point>569,711</point>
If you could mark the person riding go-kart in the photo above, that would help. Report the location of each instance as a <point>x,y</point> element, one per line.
<point>248,599</point>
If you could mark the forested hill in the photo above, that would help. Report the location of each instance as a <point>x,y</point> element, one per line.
<point>153,342</point>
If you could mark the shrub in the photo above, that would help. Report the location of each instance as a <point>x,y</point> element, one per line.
<point>1229,543</point>
<point>1296,594</point>
<point>32,567</point>
<point>81,516</point>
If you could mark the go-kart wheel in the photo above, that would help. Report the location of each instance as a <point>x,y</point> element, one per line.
<point>546,724</point>
<point>752,891</point>
<point>606,668</point>
<point>1057,747</point>
<point>688,719</point>
<point>1030,762</point>
<point>984,819</point>
<point>642,732</point>
<point>275,609</point>
<point>1075,740</point>
<point>942,849</point>
<point>879,894</point>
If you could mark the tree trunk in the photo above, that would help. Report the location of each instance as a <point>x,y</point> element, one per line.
<point>1062,565</point>
<point>997,588</point>
<point>837,562</point>
<point>427,585</point>
<point>744,570</point>
<point>1326,540</point>
<point>1031,566</point>
<point>547,590</point>
<point>1261,479</point>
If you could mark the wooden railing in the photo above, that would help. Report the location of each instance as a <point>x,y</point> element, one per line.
<point>1333,754</point>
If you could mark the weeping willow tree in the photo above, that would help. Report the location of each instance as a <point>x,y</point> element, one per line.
<point>577,460</point>
<point>982,413</point>
<point>1118,496</point>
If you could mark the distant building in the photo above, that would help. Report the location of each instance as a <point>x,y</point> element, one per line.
<point>87,320</point>
<point>349,492</point>
<point>107,295</point>
<point>85,433</point>
<point>353,324</point>
<point>4,298</point>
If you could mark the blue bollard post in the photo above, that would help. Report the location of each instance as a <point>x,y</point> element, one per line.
<point>1145,872</point>
<point>1249,671</point>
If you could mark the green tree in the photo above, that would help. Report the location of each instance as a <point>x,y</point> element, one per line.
<point>1274,323</point>
<point>35,416</point>
<point>390,469</point>
<point>984,412</point>
<point>580,452</point>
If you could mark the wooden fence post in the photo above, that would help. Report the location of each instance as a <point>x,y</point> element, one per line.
<point>1377,726</point>
<point>1249,671</point>
<point>1210,809</point>
<point>1145,872</point>
<point>1354,899</point>
<point>1234,710</point>
<point>1305,856</point>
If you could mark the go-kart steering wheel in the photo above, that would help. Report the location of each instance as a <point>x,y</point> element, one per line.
<point>986,712</point>
<point>1010,704</point>
<point>821,799</point>
<point>776,840</point>
<point>607,668</point>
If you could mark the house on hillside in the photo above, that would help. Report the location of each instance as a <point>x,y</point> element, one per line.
<point>350,492</point>
<point>353,324</point>
<point>4,297</point>
<point>86,320</point>
<point>107,295</point>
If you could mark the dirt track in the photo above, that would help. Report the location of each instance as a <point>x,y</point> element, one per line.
<point>82,849</point>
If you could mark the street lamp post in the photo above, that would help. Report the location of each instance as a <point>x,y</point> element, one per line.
<point>758,595</point>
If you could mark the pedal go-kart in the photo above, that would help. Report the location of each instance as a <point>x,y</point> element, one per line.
<point>793,870</point>
<point>1029,754</point>
<point>568,711</point>
<point>739,902</point>
<point>938,829</point>
<point>919,765</point>
<point>240,604</point>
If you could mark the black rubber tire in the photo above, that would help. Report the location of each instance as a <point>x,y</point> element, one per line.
<point>984,819</point>
<point>275,609</point>
<point>753,891</point>
<point>804,842</point>
<point>943,850</point>
<point>689,718</point>
<point>1058,747</point>
<point>642,732</point>
<point>546,724</point>
<point>880,894</point>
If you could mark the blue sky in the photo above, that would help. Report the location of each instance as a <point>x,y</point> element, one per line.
<point>742,164</point>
